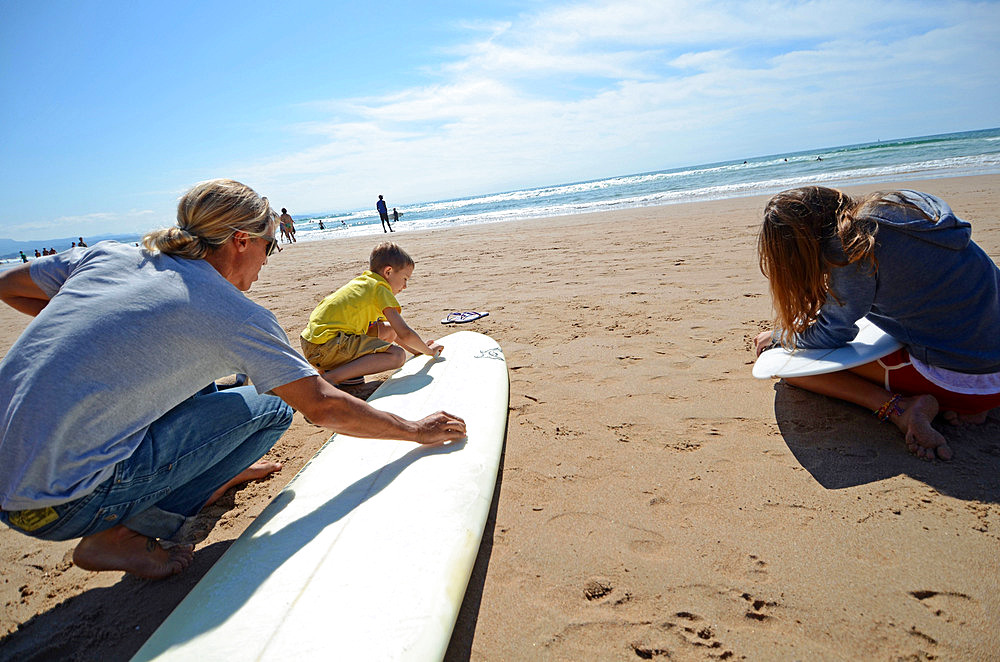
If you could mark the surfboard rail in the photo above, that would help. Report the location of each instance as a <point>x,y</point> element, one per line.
<point>870,344</point>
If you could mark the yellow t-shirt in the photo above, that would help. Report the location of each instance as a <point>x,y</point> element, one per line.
<point>351,308</point>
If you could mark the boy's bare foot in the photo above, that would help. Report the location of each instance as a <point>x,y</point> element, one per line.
<point>915,423</point>
<point>125,550</point>
<point>965,419</point>
<point>255,471</point>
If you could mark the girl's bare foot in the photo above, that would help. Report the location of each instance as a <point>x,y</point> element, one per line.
<point>915,423</point>
<point>965,419</point>
<point>255,471</point>
<point>125,550</point>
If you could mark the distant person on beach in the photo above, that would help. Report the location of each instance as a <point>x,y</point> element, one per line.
<point>111,426</point>
<point>24,258</point>
<point>904,260</point>
<point>352,332</point>
<point>80,243</point>
<point>321,226</point>
<point>383,214</point>
<point>395,215</point>
<point>287,225</point>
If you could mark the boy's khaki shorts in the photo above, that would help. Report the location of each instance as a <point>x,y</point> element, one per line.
<point>342,348</point>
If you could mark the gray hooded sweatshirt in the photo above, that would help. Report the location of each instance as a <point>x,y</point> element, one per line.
<point>935,290</point>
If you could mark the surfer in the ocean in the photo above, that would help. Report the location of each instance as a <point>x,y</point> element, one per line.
<point>904,260</point>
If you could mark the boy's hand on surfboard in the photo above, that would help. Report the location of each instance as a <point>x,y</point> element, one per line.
<point>440,427</point>
<point>434,347</point>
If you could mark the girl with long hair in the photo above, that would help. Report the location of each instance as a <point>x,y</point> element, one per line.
<point>908,263</point>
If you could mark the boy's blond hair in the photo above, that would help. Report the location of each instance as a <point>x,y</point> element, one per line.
<point>388,254</point>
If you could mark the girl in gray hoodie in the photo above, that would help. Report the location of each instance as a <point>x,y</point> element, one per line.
<point>904,260</point>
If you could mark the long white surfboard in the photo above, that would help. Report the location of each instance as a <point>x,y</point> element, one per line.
<point>870,344</point>
<point>367,552</point>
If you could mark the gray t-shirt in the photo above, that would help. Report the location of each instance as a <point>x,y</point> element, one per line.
<point>127,336</point>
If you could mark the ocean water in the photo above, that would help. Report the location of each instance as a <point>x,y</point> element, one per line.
<point>924,157</point>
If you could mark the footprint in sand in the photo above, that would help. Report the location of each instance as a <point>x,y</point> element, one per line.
<point>758,609</point>
<point>952,607</point>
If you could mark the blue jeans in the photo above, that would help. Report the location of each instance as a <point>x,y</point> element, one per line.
<point>186,455</point>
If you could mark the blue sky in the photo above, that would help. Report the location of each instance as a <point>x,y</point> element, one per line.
<point>112,109</point>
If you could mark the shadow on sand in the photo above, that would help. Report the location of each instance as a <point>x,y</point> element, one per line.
<point>842,445</point>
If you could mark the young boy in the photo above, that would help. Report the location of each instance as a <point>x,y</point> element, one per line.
<point>351,332</point>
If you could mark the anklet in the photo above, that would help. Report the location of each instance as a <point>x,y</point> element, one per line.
<point>889,408</point>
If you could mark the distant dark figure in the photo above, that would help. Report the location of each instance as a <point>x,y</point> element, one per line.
<point>321,226</point>
<point>74,245</point>
<point>395,215</point>
<point>81,244</point>
<point>37,254</point>
<point>383,214</point>
<point>24,258</point>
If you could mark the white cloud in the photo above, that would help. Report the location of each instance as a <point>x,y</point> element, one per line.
<point>90,225</point>
<point>592,89</point>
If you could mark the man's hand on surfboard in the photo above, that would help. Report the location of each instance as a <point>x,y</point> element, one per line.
<point>440,427</point>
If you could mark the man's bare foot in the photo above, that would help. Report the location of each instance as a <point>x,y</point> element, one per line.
<point>125,550</point>
<point>915,423</point>
<point>965,419</point>
<point>255,471</point>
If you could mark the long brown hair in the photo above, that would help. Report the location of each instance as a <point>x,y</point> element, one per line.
<point>790,247</point>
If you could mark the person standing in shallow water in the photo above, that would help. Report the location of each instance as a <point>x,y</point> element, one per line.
<point>383,213</point>
<point>131,481</point>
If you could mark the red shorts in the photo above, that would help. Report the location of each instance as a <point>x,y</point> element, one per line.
<point>902,377</point>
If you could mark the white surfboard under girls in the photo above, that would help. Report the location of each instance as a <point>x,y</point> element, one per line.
<point>871,343</point>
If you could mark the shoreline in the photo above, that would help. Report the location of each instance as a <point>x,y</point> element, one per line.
<point>654,499</point>
<point>337,234</point>
<point>846,184</point>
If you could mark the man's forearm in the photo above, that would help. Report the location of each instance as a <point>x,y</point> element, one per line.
<point>20,292</point>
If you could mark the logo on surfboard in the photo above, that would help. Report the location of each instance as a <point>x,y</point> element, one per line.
<point>491,353</point>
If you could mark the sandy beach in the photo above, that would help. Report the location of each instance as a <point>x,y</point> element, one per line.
<point>655,501</point>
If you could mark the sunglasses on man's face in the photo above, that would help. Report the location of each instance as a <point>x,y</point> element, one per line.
<point>272,243</point>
